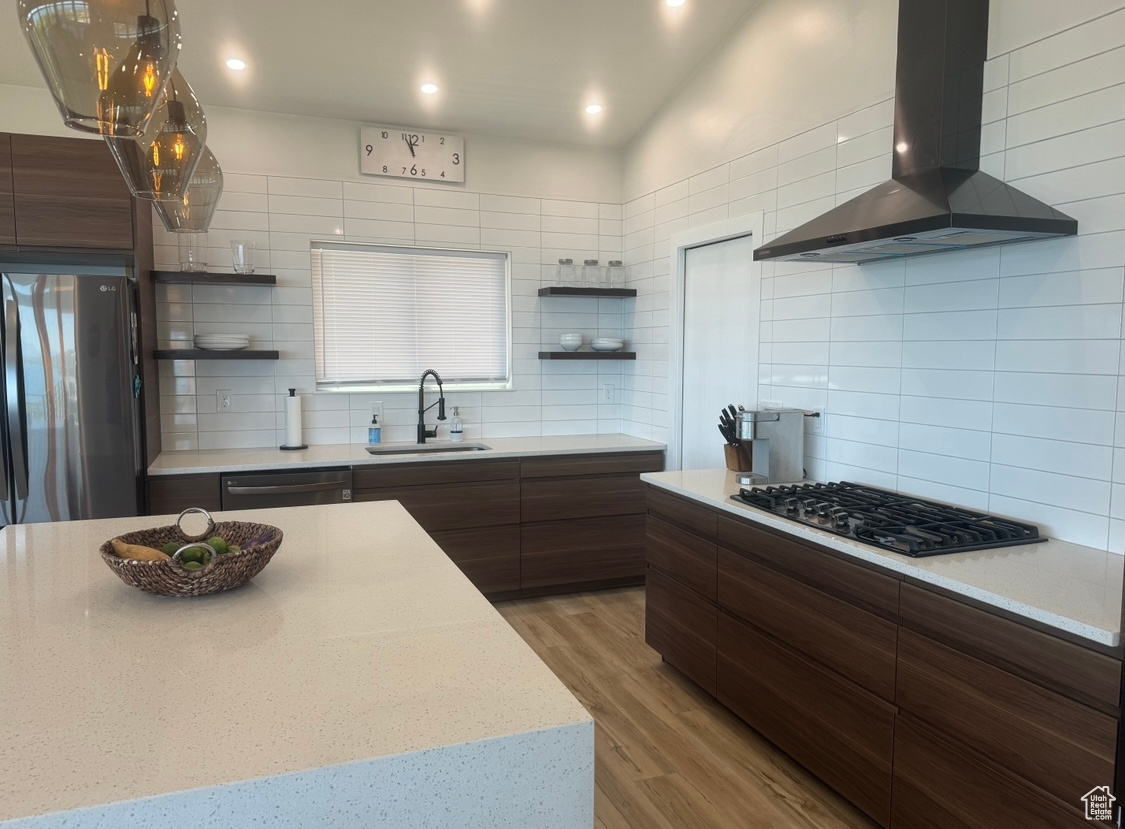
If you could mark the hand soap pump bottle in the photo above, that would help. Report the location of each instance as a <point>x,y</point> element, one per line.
<point>456,426</point>
<point>374,431</point>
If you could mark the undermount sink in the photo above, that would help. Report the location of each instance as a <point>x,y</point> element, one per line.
<point>425,448</point>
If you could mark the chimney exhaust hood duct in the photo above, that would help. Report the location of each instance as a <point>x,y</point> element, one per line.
<point>937,200</point>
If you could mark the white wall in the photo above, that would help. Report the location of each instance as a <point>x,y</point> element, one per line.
<point>989,379</point>
<point>290,180</point>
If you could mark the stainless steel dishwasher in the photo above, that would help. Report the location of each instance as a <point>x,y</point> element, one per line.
<point>264,490</point>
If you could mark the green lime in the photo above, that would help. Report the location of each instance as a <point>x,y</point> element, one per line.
<point>170,548</point>
<point>193,565</point>
<point>195,554</point>
<point>217,544</point>
<point>234,548</point>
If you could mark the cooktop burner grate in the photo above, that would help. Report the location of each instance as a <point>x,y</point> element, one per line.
<point>898,523</point>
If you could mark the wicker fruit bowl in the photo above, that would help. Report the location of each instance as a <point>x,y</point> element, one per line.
<point>170,577</point>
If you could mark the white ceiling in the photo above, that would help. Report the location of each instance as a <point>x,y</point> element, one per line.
<point>521,68</point>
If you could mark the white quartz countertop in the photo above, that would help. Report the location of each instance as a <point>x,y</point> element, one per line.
<point>360,640</point>
<point>250,460</point>
<point>1066,586</point>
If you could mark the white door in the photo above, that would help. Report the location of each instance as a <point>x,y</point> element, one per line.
<point>722,293</point>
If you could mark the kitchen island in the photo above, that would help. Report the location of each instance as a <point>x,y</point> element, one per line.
<point>359,681</point>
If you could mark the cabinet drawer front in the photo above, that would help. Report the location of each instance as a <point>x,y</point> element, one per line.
<point>582,498</point>
<point>820,568</point>
<point>682,512</point>
<point>68,192</point>
<point>172,494</point>
<point>577,552</point>
<point>1070,669</point>
<point>840,732</point>
<point>562,466</point>
<point>940,786</point>
<point>429,472</point>
<point>1048,740</point>
<point>455,506</point>
<point>680,626</point>
<point>490,558</point>
<point>689,558</point>
<point>852,642</point>
<point>7,202</point>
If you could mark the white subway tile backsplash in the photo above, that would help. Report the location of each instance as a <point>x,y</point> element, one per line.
<point>1073,322</point>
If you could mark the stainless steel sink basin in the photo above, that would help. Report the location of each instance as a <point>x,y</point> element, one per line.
<point>425,448</point>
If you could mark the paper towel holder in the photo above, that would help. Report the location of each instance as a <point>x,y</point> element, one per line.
<point>293,393</point>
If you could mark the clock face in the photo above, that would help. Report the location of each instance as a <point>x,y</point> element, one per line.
<point>405,153</point>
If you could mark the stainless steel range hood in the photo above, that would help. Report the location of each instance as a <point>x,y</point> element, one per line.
<point>937,200</point>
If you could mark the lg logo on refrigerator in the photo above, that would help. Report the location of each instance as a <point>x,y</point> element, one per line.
<point>107,288</point>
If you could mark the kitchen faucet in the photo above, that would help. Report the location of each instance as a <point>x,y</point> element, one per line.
<point>423,432</point>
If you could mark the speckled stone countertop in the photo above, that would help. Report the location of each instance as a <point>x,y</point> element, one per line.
<point>359,681</point>
<point>1066,586</point>
<point>250,460</point>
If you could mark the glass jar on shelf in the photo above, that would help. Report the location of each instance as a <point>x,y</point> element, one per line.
<point>193,251</point>
<point>591,274</point>
<point>615,277</point>
<point>566,275</point>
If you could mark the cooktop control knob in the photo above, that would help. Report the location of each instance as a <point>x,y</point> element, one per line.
<point>823,511</point>
<point>791,504</point>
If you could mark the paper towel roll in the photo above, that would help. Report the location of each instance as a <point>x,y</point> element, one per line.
<point>293,436</point>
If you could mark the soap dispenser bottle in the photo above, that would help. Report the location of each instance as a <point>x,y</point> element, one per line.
<point>374,431</point>
<point>456,426</point>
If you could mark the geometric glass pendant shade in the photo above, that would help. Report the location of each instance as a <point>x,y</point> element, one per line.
<point>105,61</point>
<point>159,164</point>
<point>192,213</point>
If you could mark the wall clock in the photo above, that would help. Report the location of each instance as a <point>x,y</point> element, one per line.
<point>402,152</point>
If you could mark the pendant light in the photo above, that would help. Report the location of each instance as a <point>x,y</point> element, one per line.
<point>159,164</point>
<point>105,61</point>
<point>192,213</point>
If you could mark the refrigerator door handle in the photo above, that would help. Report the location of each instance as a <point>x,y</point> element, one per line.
<point>13,386</point>
<point>5,483</point>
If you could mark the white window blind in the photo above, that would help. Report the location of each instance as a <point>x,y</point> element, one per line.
<point>383,315</point>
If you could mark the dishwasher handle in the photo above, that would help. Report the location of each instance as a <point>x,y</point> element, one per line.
<point>286,489</point>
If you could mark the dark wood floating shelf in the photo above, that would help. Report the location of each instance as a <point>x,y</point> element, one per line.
<point>587,355</point>
<point>606,292</point>
<point>200,354</point>
<point>207,278</point>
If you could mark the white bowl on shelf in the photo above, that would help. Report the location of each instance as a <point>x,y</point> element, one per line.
<point>604,346</point>
<point>570,342</point>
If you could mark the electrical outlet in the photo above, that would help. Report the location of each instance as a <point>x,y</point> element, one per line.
<point>609,393</point>
<point>377,410</point>
<point>222,400</point>
<point>818,422</point>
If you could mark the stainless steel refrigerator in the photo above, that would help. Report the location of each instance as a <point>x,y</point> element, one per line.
<point>70,431</point>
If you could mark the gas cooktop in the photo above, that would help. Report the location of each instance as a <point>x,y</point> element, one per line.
<point>898,523</point>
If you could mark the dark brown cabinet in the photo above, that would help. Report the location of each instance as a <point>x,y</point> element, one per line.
<point>925,711</point>
<point>582,551</point>
<point>68,192</point>
<point>842,733</point>
<point>489,557</point>
<point>7,202</point>
<point>682,627</point>
<point>172,494</point>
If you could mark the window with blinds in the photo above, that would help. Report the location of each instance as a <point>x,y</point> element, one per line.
<point>382,315</point>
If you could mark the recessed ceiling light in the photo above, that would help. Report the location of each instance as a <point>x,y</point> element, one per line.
<point>593,109</point>
<point>430,88</point>
<point>237,64</point>
<point>902,147</point>
<point>674,3</point>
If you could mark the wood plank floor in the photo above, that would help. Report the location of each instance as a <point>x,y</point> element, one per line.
<point>667,755</point>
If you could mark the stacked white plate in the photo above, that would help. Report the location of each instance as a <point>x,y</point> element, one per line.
<point>607,344</point>
<point>222,342</point>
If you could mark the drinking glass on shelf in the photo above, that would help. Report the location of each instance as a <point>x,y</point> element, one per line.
<point>193,251</point>
<point>242,250</point>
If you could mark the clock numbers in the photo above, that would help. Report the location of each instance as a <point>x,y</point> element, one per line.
<point>400,153</point>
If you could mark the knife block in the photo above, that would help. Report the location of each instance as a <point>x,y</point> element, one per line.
<point>739,458</point>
